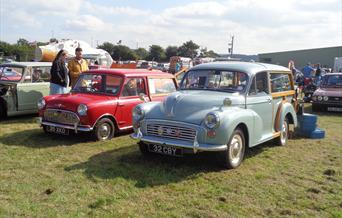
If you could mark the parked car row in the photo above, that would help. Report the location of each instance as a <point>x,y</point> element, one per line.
<point>222,107</point>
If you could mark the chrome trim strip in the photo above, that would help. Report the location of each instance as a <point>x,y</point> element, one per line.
<point>198,146</point>
<point>78,128</point>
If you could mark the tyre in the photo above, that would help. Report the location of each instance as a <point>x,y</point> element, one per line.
<point>316,108</point>
<point>235,152</point>
<point>104,130</point>
<point>284,133</point>
<point>2,111</point>
<point>143,148</point>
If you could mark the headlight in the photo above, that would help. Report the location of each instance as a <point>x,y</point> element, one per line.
<point>82,109</point>
<point>212,120</point>
<point>41,103</point>
<point>320,98</point>
<point>325,98</point>
<point>138,113</point>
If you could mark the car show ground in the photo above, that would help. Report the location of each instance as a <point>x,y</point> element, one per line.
<point>57,176</point>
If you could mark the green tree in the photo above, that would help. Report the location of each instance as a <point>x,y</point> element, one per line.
<point>142,53</point>
<point>171,51</point>
<point>22,42</point>
<point>123,53</point>
<point>157,53</point>
<point>210,54</point>
<point>188,49</point>
<point>107,46</point>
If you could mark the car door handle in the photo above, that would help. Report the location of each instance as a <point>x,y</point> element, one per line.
<point>269,100</point>
<point>120,104</point>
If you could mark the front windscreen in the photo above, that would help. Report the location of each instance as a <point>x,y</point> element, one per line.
<point>9,73</point>
<point>95,83</point>
<point>332,81</point>
<point>217,80</point>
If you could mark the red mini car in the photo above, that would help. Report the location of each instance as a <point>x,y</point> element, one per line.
<point>101,102</point>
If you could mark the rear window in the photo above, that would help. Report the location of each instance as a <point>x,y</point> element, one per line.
<point>161,86</point>
<point>280,82</point>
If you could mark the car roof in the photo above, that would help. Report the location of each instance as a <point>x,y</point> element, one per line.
<point>246,67</point>
<point>131,72</point>
<point>28,64</point>
<point>333,74</point>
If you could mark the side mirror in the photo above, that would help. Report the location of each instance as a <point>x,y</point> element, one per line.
<point>142,97</point>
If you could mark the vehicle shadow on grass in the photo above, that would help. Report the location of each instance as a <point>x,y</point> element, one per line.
<point>153,169</point>
<point>21,119</point>
<point>36,138</point>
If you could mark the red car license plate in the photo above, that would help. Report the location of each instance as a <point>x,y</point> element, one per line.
<point>166,150</point>
<point>57,130</point>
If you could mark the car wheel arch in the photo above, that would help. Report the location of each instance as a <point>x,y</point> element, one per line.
<point>245,131</point>
<point>111,117</point>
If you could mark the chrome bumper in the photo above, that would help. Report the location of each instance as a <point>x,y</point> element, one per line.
<point>75,127</point>
<point>183,144</point>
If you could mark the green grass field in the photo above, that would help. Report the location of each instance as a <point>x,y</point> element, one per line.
<point>57,176</point>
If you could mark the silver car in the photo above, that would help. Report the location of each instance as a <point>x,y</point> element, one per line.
<point>220,107</point>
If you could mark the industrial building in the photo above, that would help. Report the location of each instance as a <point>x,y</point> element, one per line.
<point>324,56</point>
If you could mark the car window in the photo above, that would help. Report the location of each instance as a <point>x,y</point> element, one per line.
<point>229,81</point>
<point>280,82</point>
<point>161,85</point>
<point>11,73</point>
<point>37,74</point>
<point>332,80</point>
<point>113,84</point>
<point>89,83</point>
<point>134,87</point>
<point>259,84</point>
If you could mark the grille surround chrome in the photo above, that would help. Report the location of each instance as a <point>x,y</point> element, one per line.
<point>61,116</point>
<point>171,131</point>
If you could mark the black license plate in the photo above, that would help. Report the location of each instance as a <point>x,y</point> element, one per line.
<point>166,150</point>
<point>335,109</point>
<point>57,130</point>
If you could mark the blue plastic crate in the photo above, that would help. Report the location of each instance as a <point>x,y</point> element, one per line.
<point>316,134</point>
<point>307,122</point>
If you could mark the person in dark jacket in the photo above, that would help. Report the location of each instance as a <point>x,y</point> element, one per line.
<point>59,74</point>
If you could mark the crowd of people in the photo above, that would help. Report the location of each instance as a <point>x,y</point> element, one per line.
<point>310,72</point>
<point>64,75</point>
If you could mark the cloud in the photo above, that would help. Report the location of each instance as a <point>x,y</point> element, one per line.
<point>86,23</point>
<point>258,25</point>
<point>109,10</point>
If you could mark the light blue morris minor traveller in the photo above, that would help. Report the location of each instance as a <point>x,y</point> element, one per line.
<point>223,107</point>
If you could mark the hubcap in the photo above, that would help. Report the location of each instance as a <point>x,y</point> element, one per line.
<point>104,130</point>
<point>283,133</point>
<point>235,149</point>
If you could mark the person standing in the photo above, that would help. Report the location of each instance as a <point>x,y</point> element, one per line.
<point>59,80</point>
<point>76,66</point>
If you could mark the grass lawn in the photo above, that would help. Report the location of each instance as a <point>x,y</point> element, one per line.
<point>56,176</point>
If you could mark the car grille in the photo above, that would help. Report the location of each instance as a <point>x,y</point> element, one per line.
<point>60,116</point>
<point>171,131</point>
<point>335,99</point>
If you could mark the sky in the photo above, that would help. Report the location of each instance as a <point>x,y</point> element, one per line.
<point>258,26</point>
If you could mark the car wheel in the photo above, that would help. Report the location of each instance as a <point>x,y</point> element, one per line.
<point>104,130</point>
<point>235,152</point>
<point>284,133</point>
<point>45,130</point>
<point>316,108</point>
<point>143,148</point>
<point>2,111</point>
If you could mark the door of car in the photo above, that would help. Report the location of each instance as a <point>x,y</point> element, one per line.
<point>160,87</point>
<point>129,98</point>
<point>34,86</point>
<point>259,100</point>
